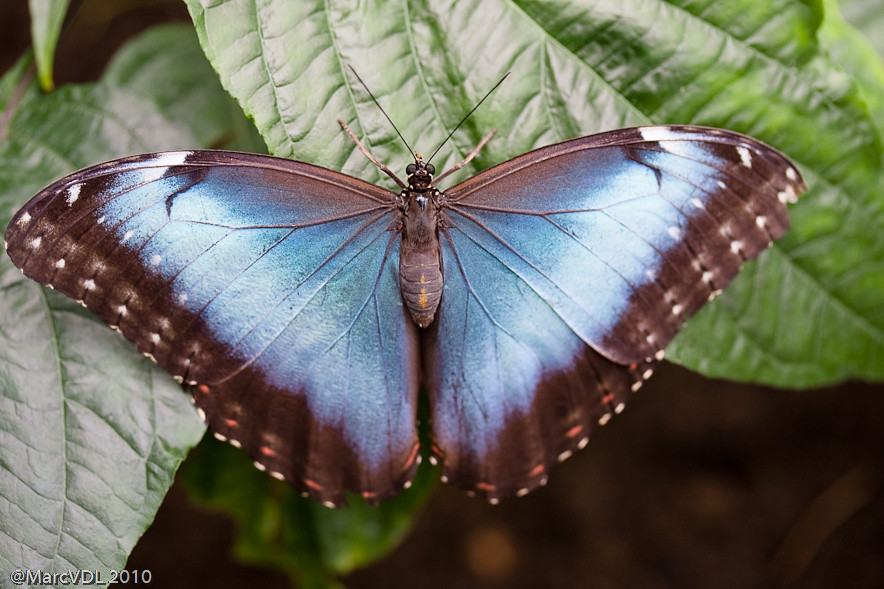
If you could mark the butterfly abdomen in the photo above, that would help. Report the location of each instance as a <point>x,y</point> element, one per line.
<point>420,265</point>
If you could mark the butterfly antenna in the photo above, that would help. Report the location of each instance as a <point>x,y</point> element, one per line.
<point>468,115</point>
<point>383,112</point>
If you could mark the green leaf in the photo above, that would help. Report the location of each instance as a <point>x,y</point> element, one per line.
<point>868,17</point>
<point>280,529</point>
<point>14,87</point>
<point>852,52</point>
<point>151,66</point>
<point>810,311</point>
<point>91,434</point>
<point>47,16</point>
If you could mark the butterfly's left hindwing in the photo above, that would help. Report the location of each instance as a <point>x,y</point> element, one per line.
<point>265,284</point>
<point>568,270</point>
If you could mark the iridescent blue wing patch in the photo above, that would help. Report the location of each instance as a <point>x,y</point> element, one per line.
<point>567,270</point>
<point>268,286</point>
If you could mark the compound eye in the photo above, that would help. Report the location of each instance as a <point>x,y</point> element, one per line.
<point>410,168</point>
<point>431,168</point>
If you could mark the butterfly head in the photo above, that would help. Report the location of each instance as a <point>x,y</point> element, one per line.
<point>420,174</point>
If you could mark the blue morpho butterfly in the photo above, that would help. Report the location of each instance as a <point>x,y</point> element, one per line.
<point>304,307</point>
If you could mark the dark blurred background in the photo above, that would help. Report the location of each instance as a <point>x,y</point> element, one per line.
<point>699,483</point>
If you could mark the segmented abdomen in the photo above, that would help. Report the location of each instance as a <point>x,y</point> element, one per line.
<point>420,280</point>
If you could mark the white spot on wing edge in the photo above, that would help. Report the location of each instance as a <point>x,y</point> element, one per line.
<point>791,174</point>
<point>172,158</point>
<point>157,167</point>
<point>73,193</point>
<point>60,263</point>
<point>745,155</point>
<point>659,133</point>
<point>24,219</point>
<point>89,284</point>
<point>156,259</point>
<point>788,195</point>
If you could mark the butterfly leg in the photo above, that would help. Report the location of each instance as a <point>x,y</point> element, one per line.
<point>469,157</point>
<point>374,160</point>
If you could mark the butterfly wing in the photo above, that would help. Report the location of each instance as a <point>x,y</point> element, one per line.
<point>568,270</point>
<point>267,285</point>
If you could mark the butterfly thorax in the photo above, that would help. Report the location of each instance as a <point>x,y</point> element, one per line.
<point>420,263</point>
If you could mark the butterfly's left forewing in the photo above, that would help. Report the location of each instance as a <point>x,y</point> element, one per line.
<point>267,285</point>
<point>568,270</point>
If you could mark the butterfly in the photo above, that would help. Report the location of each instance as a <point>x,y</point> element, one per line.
<point>305,308</point>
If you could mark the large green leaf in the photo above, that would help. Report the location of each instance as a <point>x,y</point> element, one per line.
<point>810,311</point>
<point>47,16</point>
<point>91,433</point>
<point>854,53</point>
<point>150,66</point>
<point>868,17</point>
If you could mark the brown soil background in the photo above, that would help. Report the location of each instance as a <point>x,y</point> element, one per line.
<point>699,483</point>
